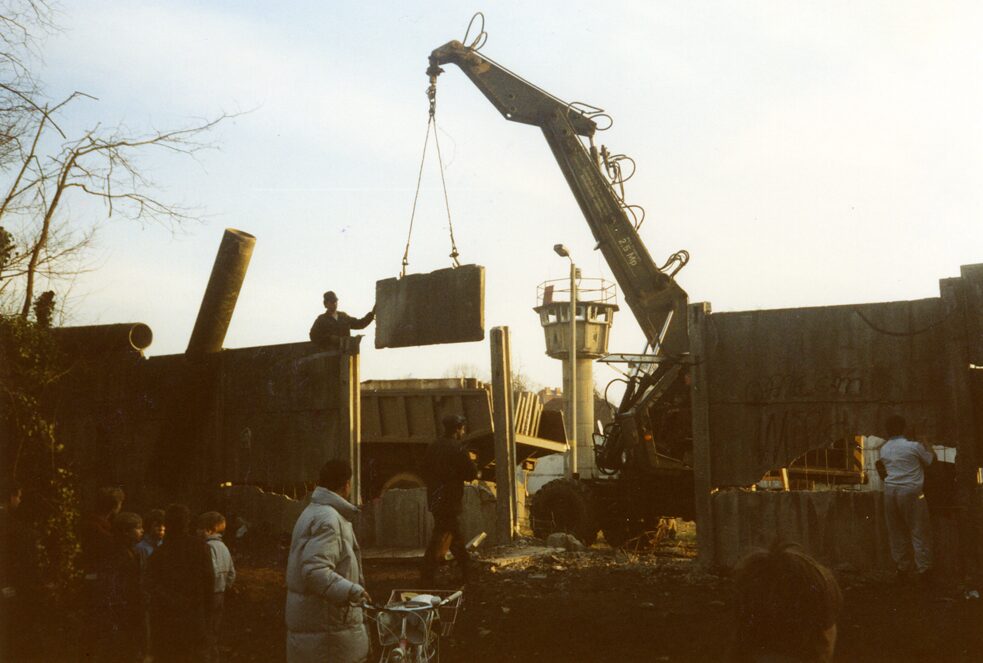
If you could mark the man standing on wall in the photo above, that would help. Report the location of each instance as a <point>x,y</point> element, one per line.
<point>905,508</point>
<point>446,466</point>
<point>333,325</point>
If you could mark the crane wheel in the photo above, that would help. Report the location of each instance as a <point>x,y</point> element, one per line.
<point>564,505</point>
<point>616,532</point>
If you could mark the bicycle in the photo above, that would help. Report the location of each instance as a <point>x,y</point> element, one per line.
<point>412,622</point>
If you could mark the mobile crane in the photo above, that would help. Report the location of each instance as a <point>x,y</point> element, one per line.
<point>645,453</point>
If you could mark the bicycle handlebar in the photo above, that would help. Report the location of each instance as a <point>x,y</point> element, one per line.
<point>456,595</point>
<point>379,607</point>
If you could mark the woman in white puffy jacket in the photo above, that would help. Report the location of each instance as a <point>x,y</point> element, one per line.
<point>324,576</point>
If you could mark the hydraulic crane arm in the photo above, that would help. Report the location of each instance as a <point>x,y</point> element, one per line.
<point>656,300</point>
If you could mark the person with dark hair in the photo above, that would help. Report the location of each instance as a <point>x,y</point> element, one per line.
<point>324,576</point>
<point>20,581</point>
<point>153,527</point>
<point>96,532</point>
<point>121,633</point>
<point>180,584</point>
<point>153,524</point>
<point>97,550</point>
<point>787,606</point>
<point>333,325</point>
<point>447,464</point>
<point>212,525</point>
<point>905,509</point>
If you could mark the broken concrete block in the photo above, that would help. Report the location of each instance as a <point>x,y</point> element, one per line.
<point>445,306</point>
<point>565,541</point>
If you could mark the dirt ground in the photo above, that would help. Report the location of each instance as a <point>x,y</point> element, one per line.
<point>605,605</point>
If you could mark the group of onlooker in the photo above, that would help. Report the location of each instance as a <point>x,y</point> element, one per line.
<point>154,592</point>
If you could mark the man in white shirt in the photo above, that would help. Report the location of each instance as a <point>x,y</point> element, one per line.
<point>905,509</point>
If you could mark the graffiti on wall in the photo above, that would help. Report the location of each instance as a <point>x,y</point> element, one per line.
<point>834,384</point>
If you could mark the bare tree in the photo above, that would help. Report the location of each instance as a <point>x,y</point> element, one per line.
<point>42,166</point>
<point>465,371</point>
<point>520,381</point>
<point>100,164</point>
<point>22,23</point>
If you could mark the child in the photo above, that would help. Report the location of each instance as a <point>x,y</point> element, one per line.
<point>153,524</point>
<point>787,607</point>
<point>212,524</point>
<point>120,579</point>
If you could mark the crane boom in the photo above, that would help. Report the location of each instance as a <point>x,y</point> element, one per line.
<point>654,297</point>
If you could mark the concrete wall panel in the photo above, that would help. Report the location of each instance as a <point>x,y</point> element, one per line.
<point>786,381</point>
<point>445,306</point>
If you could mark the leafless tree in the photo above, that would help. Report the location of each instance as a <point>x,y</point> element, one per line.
<point>22,24</point>
<point>520,381</point>
<point>42,166</point>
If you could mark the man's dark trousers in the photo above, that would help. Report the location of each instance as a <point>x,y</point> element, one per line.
<point>446,535</point>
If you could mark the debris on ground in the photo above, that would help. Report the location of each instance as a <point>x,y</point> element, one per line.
<point>565,541</point>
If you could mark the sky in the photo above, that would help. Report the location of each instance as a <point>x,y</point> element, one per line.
<point>805,154</point>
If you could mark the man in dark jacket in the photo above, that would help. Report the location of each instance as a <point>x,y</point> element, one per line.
<point>447,464</point>
<point>333,325</point>
<point>180,584</point>
<point>97,549</point>
<point>21,598</point>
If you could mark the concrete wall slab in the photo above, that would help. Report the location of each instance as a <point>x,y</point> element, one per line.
<point>445,306</point>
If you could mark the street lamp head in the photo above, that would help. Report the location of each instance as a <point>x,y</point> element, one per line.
<point>561,251</point>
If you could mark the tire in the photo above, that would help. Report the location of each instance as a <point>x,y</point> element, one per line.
<point>564,505</point>
<point>403,480</point>
<point>616,532</point>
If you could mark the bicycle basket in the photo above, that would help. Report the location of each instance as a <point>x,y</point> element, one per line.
<point>419,620</point>
<point>446,614</point>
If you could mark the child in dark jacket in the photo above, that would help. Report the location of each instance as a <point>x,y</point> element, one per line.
<point>180,583</point>
<point>120,635</point>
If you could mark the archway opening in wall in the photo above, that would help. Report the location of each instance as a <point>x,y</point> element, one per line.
<point>403,480</point>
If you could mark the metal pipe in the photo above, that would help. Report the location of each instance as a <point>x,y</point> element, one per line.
<point>93,339</point>
<point>219,301</point>
<point>572,396</point>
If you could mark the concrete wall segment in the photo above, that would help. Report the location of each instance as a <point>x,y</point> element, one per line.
<point>786,381</point>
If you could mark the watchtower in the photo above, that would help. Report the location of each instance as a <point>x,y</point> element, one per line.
<point>595,301</point>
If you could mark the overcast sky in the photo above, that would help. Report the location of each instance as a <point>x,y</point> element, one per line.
<point>805,153</point>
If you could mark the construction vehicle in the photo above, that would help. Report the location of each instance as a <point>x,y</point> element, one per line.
<point>644,455</point>
<point>401,417</point>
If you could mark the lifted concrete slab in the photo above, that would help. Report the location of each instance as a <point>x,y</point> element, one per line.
<point>445,306</point>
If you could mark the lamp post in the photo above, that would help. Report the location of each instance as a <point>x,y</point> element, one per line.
<point>572,395</point>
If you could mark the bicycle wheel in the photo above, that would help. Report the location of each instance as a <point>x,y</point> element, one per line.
<point>394,655</point>
<point>431,651</point>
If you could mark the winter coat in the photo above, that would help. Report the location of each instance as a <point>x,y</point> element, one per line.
<point>324,574</point>
<point>222,565</point>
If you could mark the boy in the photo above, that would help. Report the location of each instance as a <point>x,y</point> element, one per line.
<point>121,635</point>
<point>180,581</point>
<point>153,524</point>
<point>212,524</point>
<point>787,607</point>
